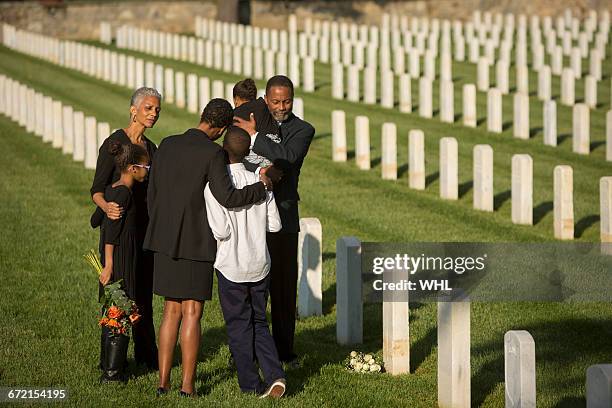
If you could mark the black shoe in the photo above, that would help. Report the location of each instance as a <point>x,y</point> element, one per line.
<point>161,391</point>
<point>186,394</point>
<point>291,364</point>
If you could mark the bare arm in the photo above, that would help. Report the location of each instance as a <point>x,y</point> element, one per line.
<point>107,272</point>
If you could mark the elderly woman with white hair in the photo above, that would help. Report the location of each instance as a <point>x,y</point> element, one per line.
<point>144,112</point>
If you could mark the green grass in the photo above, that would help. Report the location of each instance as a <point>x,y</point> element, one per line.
<point>49,337</point>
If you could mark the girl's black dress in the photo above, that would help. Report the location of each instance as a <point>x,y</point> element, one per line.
<point>141,285</point>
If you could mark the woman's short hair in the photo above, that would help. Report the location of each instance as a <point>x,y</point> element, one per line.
<point>245,90</point>
<point>143,92</point>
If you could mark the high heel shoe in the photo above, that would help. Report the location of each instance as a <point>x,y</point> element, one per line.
<point>186,394</point>
<point>161,391</point>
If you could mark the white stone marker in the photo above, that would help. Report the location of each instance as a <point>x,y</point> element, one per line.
<point>91,142</point>
<point>567,87</point>
<point>519,369</point>
<point>415,63</point>
<point>483,74</point>
<point>609,135</point>
<point>192,93</point>
<point>309,74</point>
<point>576,63</point>
<point>39,101</point>
<point>522,79</point>
<point>544,83</point>
<point>79,136</point>
<point>522,189</point>
<point>58,131</point>
<point>454,370</point>
<point>389,151</point>
<point>396,340</point>
<point>557,61</point>
<point>68,125</point>
<point>521,116</point>
<point>483,177</point>
<point>169,85</point>
<point>449,168</point>
<point>605,211</point>
<point>310,267</point>
<point>595,64</point>
<point>218,89</point>
<point>416,159</point>
<point>502,77</point>
<point>353,83</point>
<point>362,142</point>
<point>405,93</point>
<point>469,105</point>
<point>564,202</point>
<point>581,129</point>
<point>203,93</point>
<point>425,98</point>
<point>590,91</point>
<point>386,89</point>
<point>179,89</point>
<point>494,110</point>
<point>447,101</point>
<point>550,123</point>
<point>337,81</point>
<point>369,86</point>
<point>599,386</point>
<point>103,133</point>
<point>338,136</point>
<point>349,306</point>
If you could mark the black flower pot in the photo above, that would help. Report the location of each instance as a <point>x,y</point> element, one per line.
<point>113,356</point>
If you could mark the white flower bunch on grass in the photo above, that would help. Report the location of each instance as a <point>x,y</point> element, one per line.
<point>363,363</point>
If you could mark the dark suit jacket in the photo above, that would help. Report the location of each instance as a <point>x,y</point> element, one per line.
<point>288,155</point>
<point>178,226</point>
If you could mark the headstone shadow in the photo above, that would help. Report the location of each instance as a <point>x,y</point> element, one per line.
<point>500,198</point>
<point>534,131</point>
<point>594,145</point>
<point>562,138</point>
<point>585,223</point>
<point>401,170</point>
<point>430,178</point>
<point>322,135</point>
<point>541,210</point>
<point>464,188</point>
<point>481,121</point>
<point>507,125</point>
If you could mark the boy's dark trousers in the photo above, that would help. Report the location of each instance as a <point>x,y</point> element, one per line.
<point>244,311</point>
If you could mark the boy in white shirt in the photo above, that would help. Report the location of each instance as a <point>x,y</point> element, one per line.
<point>242,265</point>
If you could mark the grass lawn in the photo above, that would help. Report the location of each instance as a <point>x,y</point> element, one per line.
<point>49,337</point>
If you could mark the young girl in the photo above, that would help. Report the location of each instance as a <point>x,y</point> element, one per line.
<point>120,247</point>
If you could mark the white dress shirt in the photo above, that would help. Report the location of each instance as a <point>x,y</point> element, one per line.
<point>242,253</point>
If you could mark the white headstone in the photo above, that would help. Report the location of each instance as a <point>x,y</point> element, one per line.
<point>416,159</point>
<point>599,386</point>
<point>169,85</point>
<point>353,83</point>
<point>386,89</point>
<point>544,83</point>
<point>425,98</point>
<point>337,81</point>
<point>91,142</point>
<point>521,116</point>
<point>502,76</point>
<point>447,101</point>
<point>396,341</point>
<point>483,177</point>
<point>103,133</point>
<point>567,87</point>
<point>522,189</point>
<point>310,267</point>
<point>564,202</point>
<point>494,110</point>
<point>58,129</point>
<point>203,93</point>
<point>79,136</point>
<point>362,142</point>
<point>449,168</point>
<point>550,123</point>
<point>469,105</point>
<point>338,136</point>
<point>519,367</point>
<point>218,89</point>
<point>68,125</point>
<point>609,135</point>
<point>483,74</point>
<point>389,151</point>
<point>349,306</point>
<point>581,129</point>
<point>590,91</point>
<point>454,369</point>
<point>179,89</point>
<point>405,93</point>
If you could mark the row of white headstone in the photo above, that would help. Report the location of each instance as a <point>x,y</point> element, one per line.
<point>185,91</point>
<point>522,172</point>
<point>239,59</point>
<point>64,127</point>
<point>454,341</point>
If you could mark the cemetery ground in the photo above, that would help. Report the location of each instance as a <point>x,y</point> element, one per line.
<point>49,335</point>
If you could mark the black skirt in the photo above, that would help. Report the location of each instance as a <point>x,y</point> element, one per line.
<point>182,278</point>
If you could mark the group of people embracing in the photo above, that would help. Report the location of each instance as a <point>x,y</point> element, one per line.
<point>172,216</point>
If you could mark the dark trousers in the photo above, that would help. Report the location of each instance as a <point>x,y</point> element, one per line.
<point>283,290</point>
<point>143,332</point>
<point>244,311</point>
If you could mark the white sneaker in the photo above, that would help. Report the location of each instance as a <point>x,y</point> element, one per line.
<point>276,390</point>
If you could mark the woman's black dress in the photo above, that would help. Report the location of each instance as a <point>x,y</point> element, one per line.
<point>145,349</point>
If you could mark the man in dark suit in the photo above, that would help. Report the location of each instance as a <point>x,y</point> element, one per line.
<point>179,233</point>
<point>287,154</point>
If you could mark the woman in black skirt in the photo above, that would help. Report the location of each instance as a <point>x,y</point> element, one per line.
<point>144,112</point>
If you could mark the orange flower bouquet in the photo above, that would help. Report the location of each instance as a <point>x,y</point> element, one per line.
<point>119,312</point>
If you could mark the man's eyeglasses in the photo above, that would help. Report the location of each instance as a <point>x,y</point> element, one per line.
<point>143,166</point>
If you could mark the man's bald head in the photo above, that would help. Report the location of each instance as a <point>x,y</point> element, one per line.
<point>237,143</point>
